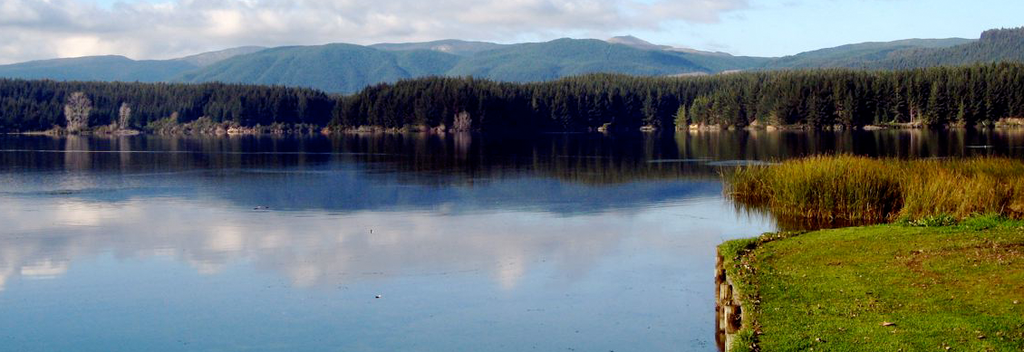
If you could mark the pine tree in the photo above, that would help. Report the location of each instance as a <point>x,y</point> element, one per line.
<point>681,120</point>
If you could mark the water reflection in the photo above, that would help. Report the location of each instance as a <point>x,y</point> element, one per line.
<point>476,242</point>
<point>357,223</point>
<point>514,270</point>
<point>576,157</point>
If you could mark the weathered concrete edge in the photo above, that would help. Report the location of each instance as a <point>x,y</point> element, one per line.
<point>734,309</point>
<point>728,307</point>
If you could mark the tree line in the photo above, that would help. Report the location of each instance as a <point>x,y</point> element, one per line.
<point>40,105</point>
<point>968,95</point>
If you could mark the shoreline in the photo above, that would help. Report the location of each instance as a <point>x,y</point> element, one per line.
<point>934,273</point>
<point>280,130</point>
<point>882,287</point>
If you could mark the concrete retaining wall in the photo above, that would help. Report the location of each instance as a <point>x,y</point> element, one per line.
<point>728,308</point>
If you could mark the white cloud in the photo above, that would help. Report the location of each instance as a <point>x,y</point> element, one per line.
<point>36,29</point>
<point>83,45</point>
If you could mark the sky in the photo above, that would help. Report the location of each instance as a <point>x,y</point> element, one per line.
<point>162,29</point>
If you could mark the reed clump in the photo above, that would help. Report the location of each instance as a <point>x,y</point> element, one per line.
<point>859,188</point>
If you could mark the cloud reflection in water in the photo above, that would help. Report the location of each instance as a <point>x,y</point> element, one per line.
<point>316,248</point>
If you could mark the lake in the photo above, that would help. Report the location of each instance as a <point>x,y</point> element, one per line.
<point>550,242</point>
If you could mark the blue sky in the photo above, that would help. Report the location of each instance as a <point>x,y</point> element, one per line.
<point>158,29</point>
<point>775,28</point>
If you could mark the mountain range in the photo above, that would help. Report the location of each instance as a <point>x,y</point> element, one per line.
<point>347,68</point>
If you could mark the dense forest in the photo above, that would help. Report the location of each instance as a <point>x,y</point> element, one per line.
<point>968,96</point>
<point>39,105</point>
<point>817,98</point>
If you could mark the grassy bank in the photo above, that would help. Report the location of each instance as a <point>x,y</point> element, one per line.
<point>883,288</point>
<point>860,188</point>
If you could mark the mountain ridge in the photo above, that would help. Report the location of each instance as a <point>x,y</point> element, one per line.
<point>451,46</point>
<point>848,54</point>
<point>212,57</point>
<point>118,67</point>
<point>347,68</point>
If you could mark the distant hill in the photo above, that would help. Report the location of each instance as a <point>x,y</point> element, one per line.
<point>346,68</point>
<point>638,43</point>
<point>420,63</point>
<point>858,55</point>
<point>711,62</point>
<point>98,68</point>
<point>567,57</point>
<point>994,46</point>
<point>117,68</point>
<point>332,67</point>
<point>450,46</point>
<point>210,58</point>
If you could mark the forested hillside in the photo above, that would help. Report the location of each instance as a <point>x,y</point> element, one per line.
<point>450,46</point>
<point>997,45</point>
<point>567,57</point>
<point>332,67</point>
<point>118,68</point>
<point>348,68</point>
<point>858,55</point>
<point>965,96</point>
<point>98,68</point>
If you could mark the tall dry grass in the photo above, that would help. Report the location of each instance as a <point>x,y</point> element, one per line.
<point>860,188</point>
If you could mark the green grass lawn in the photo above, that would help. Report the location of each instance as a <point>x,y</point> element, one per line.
<point>885,288</point>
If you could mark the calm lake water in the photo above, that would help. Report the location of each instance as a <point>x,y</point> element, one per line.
<point>578,242</point>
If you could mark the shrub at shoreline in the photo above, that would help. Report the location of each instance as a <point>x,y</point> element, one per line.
<point>881,190</point>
